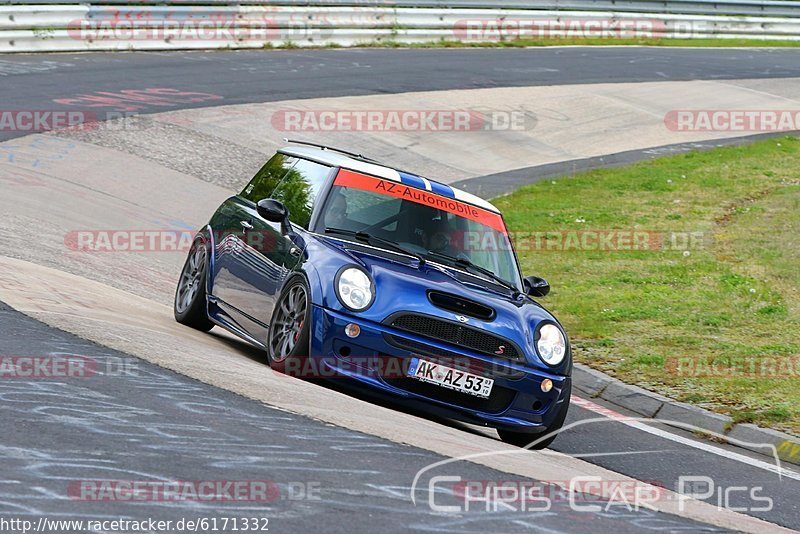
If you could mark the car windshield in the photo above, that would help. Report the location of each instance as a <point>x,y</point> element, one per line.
<point>439,228</point>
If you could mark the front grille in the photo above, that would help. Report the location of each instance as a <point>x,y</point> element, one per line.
<point>499,399</point>
<point>457,334</point>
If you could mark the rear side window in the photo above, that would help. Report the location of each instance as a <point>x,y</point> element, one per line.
<point>268,177</point>
<point>295,182</point>
<point>299,189</point>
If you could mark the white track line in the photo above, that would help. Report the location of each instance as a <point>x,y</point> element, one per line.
<point>706,447</point>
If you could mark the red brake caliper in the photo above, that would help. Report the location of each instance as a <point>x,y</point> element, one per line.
<point>297,334</point>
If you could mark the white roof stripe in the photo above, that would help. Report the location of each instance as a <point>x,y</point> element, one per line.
<point>340,160</point>
<point>331,157</point>
<point>472,199</point>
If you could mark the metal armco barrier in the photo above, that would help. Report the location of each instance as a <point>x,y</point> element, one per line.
<point>142,25</point>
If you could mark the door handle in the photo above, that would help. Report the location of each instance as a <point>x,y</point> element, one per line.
<point>246,225</point>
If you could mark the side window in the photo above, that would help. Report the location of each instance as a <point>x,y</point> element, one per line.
<point>268,177</point>
<point>299,188</point>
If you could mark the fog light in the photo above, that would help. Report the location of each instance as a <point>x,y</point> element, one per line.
<point>547,385</point>
<point>352,330</point>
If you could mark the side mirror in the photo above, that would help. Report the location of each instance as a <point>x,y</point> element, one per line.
<point>274,211</point>
<point>536,286</point>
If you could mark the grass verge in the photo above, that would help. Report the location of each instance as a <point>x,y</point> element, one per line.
<point>706,309</point>
<point>585,41</point>
<point>533,43</point>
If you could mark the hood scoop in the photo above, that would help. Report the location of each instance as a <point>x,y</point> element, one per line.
<point>460,305</point>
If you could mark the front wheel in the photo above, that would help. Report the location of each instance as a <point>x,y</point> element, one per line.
<point>521,439</point>
<point>190,306</point>
<point>288,337</point>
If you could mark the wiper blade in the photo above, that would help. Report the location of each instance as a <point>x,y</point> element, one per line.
<point>467,264</point>
<point>369,238</point>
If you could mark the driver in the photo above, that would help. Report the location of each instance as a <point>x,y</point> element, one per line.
<point>438,237</point>
<point>336,214</point>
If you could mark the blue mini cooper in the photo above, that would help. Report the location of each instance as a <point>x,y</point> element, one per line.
<point>338,266</point>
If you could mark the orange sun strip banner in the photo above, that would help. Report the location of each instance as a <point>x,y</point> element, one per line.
<point>356,180</point>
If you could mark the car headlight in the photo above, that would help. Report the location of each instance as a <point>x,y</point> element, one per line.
<point>551,345</point>
<point>354,288</point>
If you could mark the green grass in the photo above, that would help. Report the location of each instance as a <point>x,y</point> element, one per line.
<point>583,41</point>
<point>727,305</point>
<point>571,41</point>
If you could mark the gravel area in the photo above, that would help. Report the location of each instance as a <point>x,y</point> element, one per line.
<point>209,158</point>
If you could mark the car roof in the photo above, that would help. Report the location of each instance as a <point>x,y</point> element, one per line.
<point>338,159</point>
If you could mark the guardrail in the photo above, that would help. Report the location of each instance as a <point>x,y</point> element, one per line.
<point>105,25</point>
<point>707,7</point>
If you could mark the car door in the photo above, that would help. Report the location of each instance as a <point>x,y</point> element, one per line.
<point>231,225</point>
<point>259,256</point>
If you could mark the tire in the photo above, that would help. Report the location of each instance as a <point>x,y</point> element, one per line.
<point>523,440</point>
<point>288,339</point>
<point>190,306</point>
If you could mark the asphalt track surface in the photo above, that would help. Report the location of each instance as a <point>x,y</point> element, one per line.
<point>36,81</point>
<point>141,422</point>
<point>46,439</point>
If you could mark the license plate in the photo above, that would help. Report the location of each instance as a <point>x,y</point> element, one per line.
<point>450,378</point>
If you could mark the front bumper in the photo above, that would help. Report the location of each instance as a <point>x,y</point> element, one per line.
<point>379,357</point>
